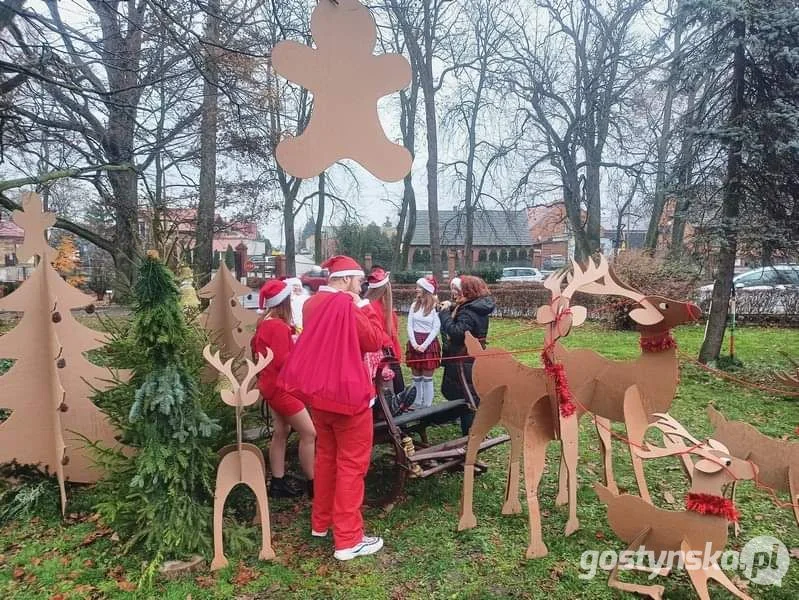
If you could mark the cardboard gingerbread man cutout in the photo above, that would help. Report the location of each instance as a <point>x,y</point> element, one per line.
<point>346,80</point>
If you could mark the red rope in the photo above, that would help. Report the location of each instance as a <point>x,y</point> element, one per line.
<point>738,380</point>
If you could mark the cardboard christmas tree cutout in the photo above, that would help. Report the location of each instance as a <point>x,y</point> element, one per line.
<point>225,319</point>
<point>347,81</point>
<point>48,388</point>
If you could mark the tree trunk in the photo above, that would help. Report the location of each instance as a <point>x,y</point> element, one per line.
<point>729,244</point>
<point>288,231</point>
<point>206,208</point>
<point>684,176</point>
<point>432,174</point>
<point>571,200</point>
<point>320,218</point>
<point>593,225</point>
<point>407,221</point>
<point>653,231</point>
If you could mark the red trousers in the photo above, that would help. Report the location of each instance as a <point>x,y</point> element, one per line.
<point>343,454</point>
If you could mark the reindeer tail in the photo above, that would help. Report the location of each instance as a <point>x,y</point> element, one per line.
<point>716,418</point>
<point>605,495</point>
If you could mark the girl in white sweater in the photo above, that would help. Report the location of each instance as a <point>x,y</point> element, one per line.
<point>423,353</point>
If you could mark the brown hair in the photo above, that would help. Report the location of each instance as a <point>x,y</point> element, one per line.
<point>384,294</point>
<point>426,302</point>
<point>472,288</point>
<point>282,311</point>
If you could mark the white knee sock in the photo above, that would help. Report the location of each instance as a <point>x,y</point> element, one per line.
<point>420,390</point>
<point>427,385</point>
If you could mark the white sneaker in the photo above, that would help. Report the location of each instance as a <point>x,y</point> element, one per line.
<point>319,534</point>
<point>367,546</point>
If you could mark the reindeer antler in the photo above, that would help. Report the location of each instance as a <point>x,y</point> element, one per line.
<point>226,368</point>
<point>671,427</point>
<point>254,368</point>
<point>584,279</point>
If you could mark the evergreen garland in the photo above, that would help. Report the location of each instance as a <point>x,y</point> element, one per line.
<point>159,498</point>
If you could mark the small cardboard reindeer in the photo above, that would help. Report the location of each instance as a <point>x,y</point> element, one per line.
<point>777,460</point>
<point>525,401</point>
<point>241,463</point>
<point>701,529</point>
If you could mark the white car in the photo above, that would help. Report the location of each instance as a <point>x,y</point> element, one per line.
<point>519,274</point>
<point>778,277</point>
<point>767,290</point>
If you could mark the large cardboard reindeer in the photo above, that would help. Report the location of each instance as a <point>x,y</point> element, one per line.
<point>526,402</point>
<point>700,529</point>
<point>628,391</point>
<point>241,463</point>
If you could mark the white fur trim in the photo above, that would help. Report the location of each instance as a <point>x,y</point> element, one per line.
<point>379,284</point>
<point>277,298</point>
<point>349,273</point>
<point>456,282</point>
<point>293,281</point>
<point>362,302</point>
<point>425,285</point>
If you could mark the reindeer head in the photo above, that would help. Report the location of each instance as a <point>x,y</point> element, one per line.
<point>558,315</point>
<point>239,395</point>
<point>715,466</point>
<point>653,313</point>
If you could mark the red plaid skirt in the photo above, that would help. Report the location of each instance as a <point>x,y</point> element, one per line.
<point>429,360</point>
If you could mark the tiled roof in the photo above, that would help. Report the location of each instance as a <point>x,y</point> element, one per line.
<point>491,228</point>
<point>9,229</point>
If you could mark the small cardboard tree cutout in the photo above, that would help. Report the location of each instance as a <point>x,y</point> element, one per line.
<point>346,80</point>
<point>701,529</point>
<point>225,319</point>
<point>50,383</point>
<point>241,463</point>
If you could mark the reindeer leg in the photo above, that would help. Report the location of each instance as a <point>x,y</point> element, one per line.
<point>487,416</point>
<point>535,451</point>
<point>716,573</point>
<point>793,488</point>
<point>563,481</point>
<point>569,431</point>
<point>512,505</point>
<point>259,489</point>
<point>603,429</point>
<point>653,591</point>
<point>220,495</point>
<point>637,422</point>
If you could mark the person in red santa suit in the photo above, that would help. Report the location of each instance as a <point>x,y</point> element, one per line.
<point>327,370</point>
<point>275,331</point>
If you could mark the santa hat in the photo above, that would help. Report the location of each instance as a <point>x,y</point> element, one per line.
<point>456,282</point>
<point>428,284</point>
<point>292,281</point>
<point>273,292</point>
<point>342,266</point>
<point>378,278</point>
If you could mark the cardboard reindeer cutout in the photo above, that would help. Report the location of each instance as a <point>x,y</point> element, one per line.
<point>627,391</point>
<point>241,463</point>
<point>50,384</point>
<point>346,80</point>
<point>700,529</point>
<point>777,460</point>
<point>533,405</point>
<point>788,378</point>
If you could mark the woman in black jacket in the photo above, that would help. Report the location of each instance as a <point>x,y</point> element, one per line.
<point>470,312</point>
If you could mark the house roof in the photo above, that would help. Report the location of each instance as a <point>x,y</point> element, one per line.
<point>9,229</point>
<point>491,228</point>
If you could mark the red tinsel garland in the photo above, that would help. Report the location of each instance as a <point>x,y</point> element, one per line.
<point>558,373</point>
<point>707,504</point>
<point>659,343</point>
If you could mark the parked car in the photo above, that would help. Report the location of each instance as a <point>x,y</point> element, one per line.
<point>517,274</point>
<point>763,279</point>
<point>314,278</point>
<point>767,290</point>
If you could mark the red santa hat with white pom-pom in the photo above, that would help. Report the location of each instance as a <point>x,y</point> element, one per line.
<point>342,266</point>
<point>273,292</point>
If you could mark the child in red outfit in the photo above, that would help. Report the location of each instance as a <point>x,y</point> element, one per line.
<point>275,332</point>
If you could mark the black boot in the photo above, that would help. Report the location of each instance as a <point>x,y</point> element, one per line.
<point>280,488</point>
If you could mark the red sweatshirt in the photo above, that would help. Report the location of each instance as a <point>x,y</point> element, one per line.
<point>274,334</point>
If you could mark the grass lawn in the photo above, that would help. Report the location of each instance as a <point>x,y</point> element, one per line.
<point>425,557</point>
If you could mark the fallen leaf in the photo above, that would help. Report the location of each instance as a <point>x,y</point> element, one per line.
<point>205,581</point>
<point>794,552</point>
<point>64,561</point>
<point>117,573</point>
<point>58,596</point>
<point>599,535</point>
<point>741,584</point>
<point>88,563</point>
<point>85,590</point>
<point>18,573</point>
<point>94,518</point>
<point>669,497</point>
<point>126,586</point>
<point>94,536</point>
<point>244,575</point>
<point>322,570</point>
<point>36,561</point>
